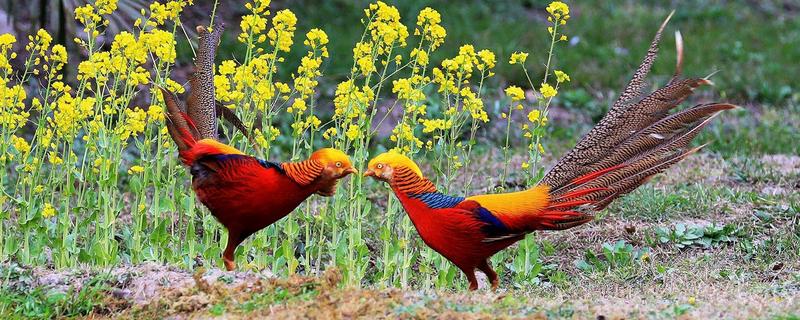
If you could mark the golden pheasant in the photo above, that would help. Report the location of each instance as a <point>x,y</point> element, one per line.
<point>635,140</point>
<point>244,193</point>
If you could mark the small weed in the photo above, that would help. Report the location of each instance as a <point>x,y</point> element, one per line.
<point>263,300</point>
<point>217,310</point>
<point>617,255</point>
<point>683,236</point>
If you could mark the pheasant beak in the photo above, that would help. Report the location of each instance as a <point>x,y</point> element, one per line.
<point>350,170</point>
<point>369,173</point>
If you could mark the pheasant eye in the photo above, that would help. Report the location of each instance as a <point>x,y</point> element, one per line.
<point>379,166</point>
<point>338,164</point>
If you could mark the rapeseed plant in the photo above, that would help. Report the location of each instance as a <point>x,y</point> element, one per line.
<point>95,180</point>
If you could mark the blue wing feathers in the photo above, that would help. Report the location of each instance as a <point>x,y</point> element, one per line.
<point>271,165</point>
<point>435,200</point>
<point>493,227</point>
<point>486,216</point>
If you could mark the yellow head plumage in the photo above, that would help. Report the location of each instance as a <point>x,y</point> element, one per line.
<point>331,156</point>
<point>383,165</point>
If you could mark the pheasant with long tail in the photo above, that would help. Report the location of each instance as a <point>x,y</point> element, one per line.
<point>635,140</point>
<point>244,193</point>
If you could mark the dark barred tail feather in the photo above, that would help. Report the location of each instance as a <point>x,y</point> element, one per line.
<point>201,103</point>
<point>197,119</point>
<point>637,139</point>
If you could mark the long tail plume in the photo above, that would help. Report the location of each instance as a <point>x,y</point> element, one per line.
<point>635,140</point>
<point>179,125</point>
<point>201,104</point>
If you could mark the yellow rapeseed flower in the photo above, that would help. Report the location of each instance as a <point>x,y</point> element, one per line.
<point>547,91</point>
<point>474,105</point>
<point>105,6</point>
<point>54,159</point>
<point>487,59</point>
<point>227,67</point>
<point>21,145</point>
<point>431,125</point>
<point>155,113</point>
<point>135,121</point>
<point>318,40</point>
<point>298,106</point>
<point>328,134</point>
<point>252,24</point>
<point>385,27</point>
<point>406,90</point>
<point>534,115</point>
<point>404,132</point>
<point>173,86</point>
<point>430,28</point>
<point>58,54</point>
<point>515,93</point>
<point>559,11</point>
<point>362,54</point>
<point>48,211</point>
<point>87,16</point>
<point>161,43</point>
<point>561,76</point>
<point>353,132</point>
<point>282,33</point>
<point>518,58</point>
<point>135,169</point>
<point>7,41</point>
<point>421,56</point>
<point>169,11</point>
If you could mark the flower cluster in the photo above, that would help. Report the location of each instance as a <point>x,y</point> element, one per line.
<point>405,132</point>
<point>282,33</point>
<point>351,101</point>
<point>385,33</point>
<point>160,43</point>
<point>558,16</point>
<point>161,13</point>
<point>309,70</point>
<point>559,12</point>
<point>515,93</point>
<point>547,91</point>
<point>6,43</point>
<point>385,27</point>
<point>518,58</point>
<point>21,145</point>
<point>13,114</point>
<point>561,76</point>
<point>473,104</point>
<point>249,84</point>
<point>409,88</point>
<point>48,211</point>
<point>69,113</point>
<point>432,125</point>
<point>430,28</point>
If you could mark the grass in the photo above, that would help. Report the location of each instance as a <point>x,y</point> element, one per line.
<point>608,40</point>
<point>20,297</point>
<point>748,267</point>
